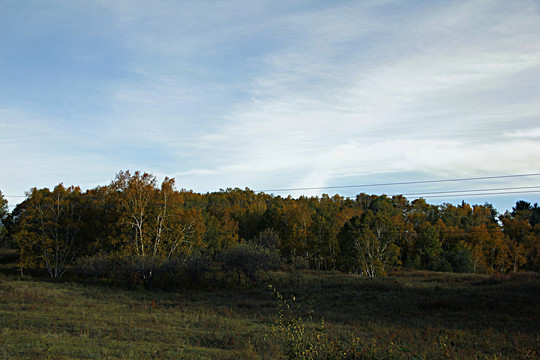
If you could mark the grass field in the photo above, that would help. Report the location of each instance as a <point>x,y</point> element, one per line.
<point>435,315</point>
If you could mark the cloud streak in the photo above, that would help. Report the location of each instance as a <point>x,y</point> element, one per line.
<point>273,94</point>
<point>425,95</point>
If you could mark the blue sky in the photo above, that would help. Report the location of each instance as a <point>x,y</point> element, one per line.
<point>271,94</point>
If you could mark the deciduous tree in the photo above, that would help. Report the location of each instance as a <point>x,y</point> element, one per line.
<point>4,212</point>
<point>49,228</point>
<point>428,246</point>
<point>155,223</point>
<point>371,238</point>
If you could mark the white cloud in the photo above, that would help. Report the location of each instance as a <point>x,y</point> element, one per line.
<point>529,134</point>
<point>294,94</point>
<point>314,119</point>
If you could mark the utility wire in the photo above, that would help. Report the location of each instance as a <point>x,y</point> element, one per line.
<point>401,183</point>
<point>485,194</point>
<point>473,190</point>
<point>436,194</point>
<point>465,193</point>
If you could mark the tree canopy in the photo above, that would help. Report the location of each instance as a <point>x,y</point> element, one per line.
<point>134,216</point>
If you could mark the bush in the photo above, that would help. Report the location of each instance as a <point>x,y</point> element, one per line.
<point>95,267</point>
<point>148,269</point>
<point>196,265</point>
<point>249,259</point>
<point>268,239</point>
<point>460,261</point>
<point>301,341</point>
<point>440,264</point>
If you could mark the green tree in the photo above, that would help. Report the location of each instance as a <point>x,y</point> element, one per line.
<point>460,258</point>
<point>420,212</point>
<point>368,243</point>
<point>523,209</point>
<point>428,246</point>
<point>523,231</point>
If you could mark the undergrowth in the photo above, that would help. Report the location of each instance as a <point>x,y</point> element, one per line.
<point>303,337</point>
<point>412,315</point>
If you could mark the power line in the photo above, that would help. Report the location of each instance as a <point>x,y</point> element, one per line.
<point>458,194</point>
<point>439,194</point>
<point>463,193</point>
<point>470,192</point>
<point>401,183</point>
<point>405,183</point>
<point>473,190</point>
<point>485,194</point>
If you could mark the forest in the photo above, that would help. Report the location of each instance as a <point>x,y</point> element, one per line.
<point>137,226</point>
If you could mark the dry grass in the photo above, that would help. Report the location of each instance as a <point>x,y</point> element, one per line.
<point>437,316</point>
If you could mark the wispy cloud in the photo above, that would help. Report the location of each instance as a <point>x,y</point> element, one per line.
<point>306,106</point>
<point>270,94</point>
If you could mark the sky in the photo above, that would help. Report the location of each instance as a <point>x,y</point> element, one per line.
<point>273,95</point>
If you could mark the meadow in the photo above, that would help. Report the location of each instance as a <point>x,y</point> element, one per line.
<point>405,315</point>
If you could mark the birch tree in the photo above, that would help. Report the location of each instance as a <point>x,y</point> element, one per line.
<point>370,241</point>
<point>155,223</point>
<point>49,228</point>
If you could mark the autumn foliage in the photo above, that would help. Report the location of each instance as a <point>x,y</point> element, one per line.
<point>142,222</point>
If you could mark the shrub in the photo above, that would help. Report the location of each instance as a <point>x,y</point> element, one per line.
<point>249,259</point>
<point>196,265</point>
<point>267,238</point>
<point>148,269</point>
<point>440,264</point>
<point>95,267</point>
<point>300,341</point>
<point>460,261</point>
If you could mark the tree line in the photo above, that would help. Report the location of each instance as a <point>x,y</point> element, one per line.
<point>150,227</point>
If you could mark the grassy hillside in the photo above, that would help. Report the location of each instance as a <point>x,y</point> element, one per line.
<point>435,315</point>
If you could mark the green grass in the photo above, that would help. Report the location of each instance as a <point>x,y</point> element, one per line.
<point>41,319</point>
<point>435,315</point>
